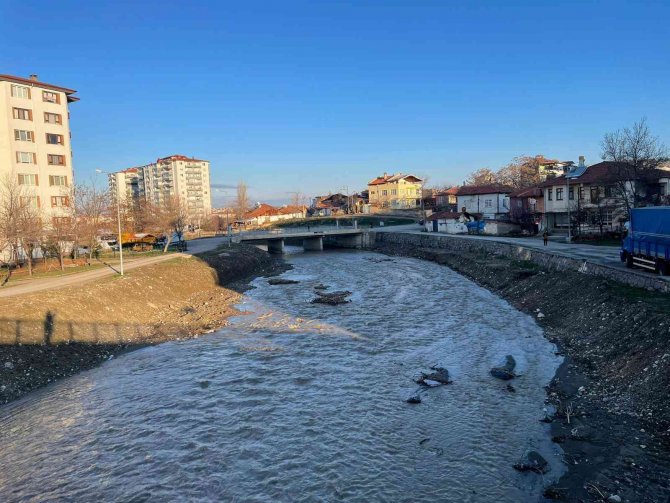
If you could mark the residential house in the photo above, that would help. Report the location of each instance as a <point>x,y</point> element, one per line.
<point>527,208</point>
<point>449,222</point>
<point>335,204</point>
<point>594,198</point>
<point>492,201</point>
<point>264,214</point>
<point>446,199</point>
<point>551,168</point>
<point>397,191</point>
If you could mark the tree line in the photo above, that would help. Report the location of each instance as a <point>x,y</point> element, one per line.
<point>83,214</point>
<point>636,150</point>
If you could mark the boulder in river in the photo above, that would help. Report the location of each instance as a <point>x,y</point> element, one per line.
<point>416,398</point>
<point>282,281</point>
<point>532,462</point>
<point>320,286</point>
<point>438,376</point>
<point>332,298</point>
<point>506,371</point>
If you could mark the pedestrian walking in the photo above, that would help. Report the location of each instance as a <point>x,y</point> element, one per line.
<point>545,237</point>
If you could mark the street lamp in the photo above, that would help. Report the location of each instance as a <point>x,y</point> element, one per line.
<point>118,219</point>
<point>568,176</point>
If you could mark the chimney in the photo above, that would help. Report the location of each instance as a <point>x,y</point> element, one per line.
<point>385,175</point>
<point>33,77</point>
<point>582,162</point>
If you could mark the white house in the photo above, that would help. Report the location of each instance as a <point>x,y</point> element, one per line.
<point>594,196</point>
<point>491,201</point>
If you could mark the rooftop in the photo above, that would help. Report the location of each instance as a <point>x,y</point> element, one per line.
<point>472,190</point>
<point>34,82</point>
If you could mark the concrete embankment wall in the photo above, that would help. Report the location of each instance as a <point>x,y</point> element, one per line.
<point>543,258</point>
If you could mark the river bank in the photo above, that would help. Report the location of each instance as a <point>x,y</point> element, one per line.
<point>611,392</point>
<point>54,334</point>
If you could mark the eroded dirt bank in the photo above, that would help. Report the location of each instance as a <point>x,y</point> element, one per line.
<point>53,334</point>
<point>615,382</point>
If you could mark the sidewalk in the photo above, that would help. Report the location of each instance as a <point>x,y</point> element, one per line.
<point>37,285</point>
<point>602,255</point>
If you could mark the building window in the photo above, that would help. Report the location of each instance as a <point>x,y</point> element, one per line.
<point>595,194</point>
<point>50,97</point>
<point>571,193</point>
<point>394,192</point>
<point>55,139</point>
<point>60,221</point>
<point>57,181</point>
<point>30,201</point>
<point>56,160</point>
<point>21,135</point>
<point>60,201</point>
<point>26,158</point>
<point>549,194</point>
<point>385,192</point>
<point>581,193</point>
<point>609,191</point>
<point>50,118</point>
<point>23,114</point>
<point>488,203</point>
<point>25,179</point>
<point>559,194</point>
<point>20,91</point>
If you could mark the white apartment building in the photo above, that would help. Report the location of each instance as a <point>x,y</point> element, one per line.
<point>125,185</point>
<point>35,147</point>
<point>172,176</point>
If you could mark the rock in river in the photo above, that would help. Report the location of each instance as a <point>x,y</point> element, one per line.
<point>333,298</point>
<point>506,371</point>
<point>282,281</point>
<point>439,376</point>
<point>414,399</point>
<point>533,462</point>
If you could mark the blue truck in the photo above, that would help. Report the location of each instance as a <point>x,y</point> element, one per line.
<point>647,244</point>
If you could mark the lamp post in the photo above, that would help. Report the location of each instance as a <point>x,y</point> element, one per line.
<point>118,220</point>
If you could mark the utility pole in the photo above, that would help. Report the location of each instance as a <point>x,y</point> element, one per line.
<point>118,220</point>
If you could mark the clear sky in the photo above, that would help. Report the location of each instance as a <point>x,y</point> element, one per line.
<point>318,95</point>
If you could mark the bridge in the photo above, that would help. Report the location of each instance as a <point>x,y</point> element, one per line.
<point>311,240</point>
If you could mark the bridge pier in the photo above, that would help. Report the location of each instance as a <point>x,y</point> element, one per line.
<point>275,246</point>
<point>349,241</point>
<point>313,244</point>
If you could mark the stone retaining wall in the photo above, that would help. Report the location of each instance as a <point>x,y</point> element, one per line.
<point>543,258</point>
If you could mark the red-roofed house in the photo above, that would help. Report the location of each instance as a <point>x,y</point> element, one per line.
<point>395,191</point>
<point>492,201</point>
<point>527,208</point>
<point>594,196</point>
<point>264,214</point>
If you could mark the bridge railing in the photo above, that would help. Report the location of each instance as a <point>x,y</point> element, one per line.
<point>288,231</point>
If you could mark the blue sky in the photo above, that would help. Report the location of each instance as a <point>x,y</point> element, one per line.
<point>314,96</point>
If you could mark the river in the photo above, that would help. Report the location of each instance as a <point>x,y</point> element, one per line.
<point>295,401</point>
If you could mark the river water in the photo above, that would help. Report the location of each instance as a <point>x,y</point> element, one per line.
<point>302,402</point>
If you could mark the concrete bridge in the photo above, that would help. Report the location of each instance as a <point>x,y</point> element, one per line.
<point>311,240</point>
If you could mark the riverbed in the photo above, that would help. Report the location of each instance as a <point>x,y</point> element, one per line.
<point>295,401</point>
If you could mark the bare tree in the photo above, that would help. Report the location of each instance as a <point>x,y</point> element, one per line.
<point>521,173</point>
<point>638,153</point>
<point>13,198</point>
<point>91,204</point>
<point>169,219</point>
<point>483,176</point>
<point>31,231</point>
<point>242,200</point>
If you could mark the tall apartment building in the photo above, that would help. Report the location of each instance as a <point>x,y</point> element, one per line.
<point>35,137</point>
<point>125,185</point>
<point>172,176</point>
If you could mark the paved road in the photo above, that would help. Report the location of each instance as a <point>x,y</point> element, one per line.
<point>37,285</point>
<point>605,255</point>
